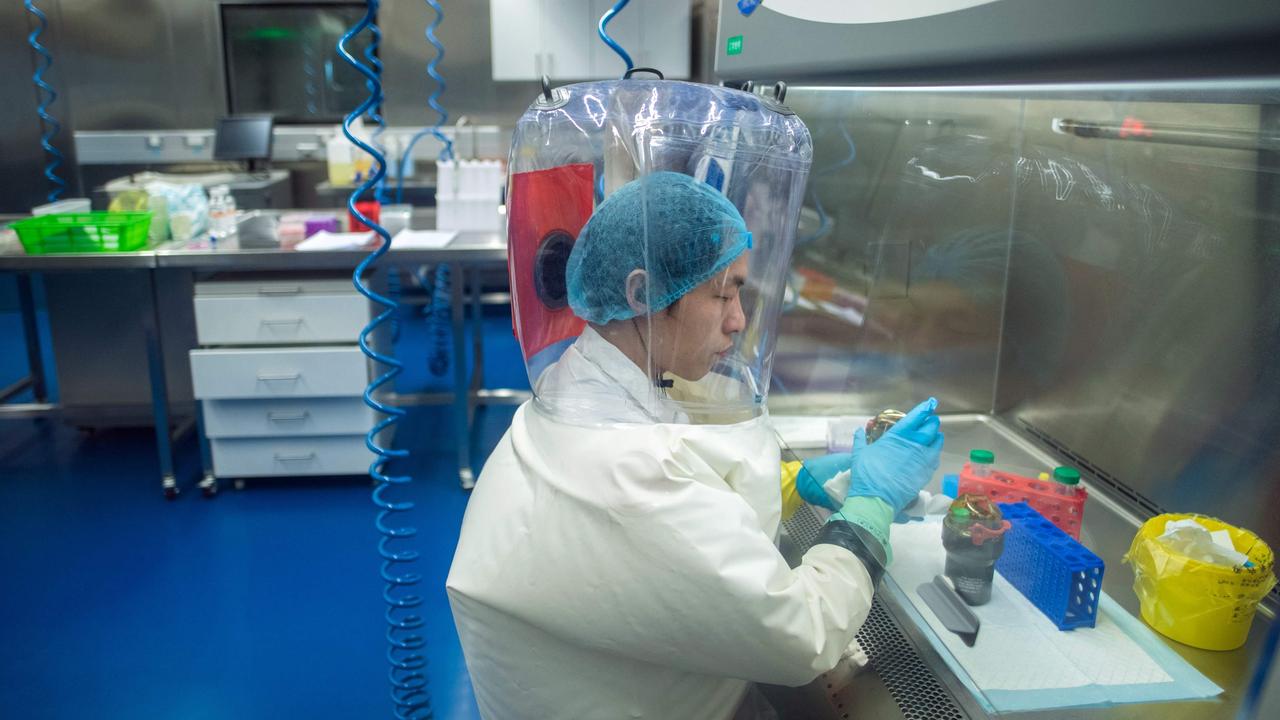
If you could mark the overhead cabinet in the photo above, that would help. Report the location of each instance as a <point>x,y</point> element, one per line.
<point>557,38</point>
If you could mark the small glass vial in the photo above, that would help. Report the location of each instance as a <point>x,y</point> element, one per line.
<point>880,424</point>
<point>1066,480</point>
<point>980,462</point>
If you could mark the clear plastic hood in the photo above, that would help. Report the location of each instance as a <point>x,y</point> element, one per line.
<point>650,230</point>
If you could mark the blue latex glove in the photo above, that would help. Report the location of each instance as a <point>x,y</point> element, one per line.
<point>816,472</point>
<point>898,465</point>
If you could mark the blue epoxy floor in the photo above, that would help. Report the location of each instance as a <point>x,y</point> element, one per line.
<point>262,603</point>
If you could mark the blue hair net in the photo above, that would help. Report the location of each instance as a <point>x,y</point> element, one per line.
<point>679,230</point>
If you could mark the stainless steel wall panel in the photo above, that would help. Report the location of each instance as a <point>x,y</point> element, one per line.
<point>142,64</point>
<point>157,64</point>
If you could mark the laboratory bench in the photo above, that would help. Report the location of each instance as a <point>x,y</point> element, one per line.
<point>112,314</point>
<point>907,677</point>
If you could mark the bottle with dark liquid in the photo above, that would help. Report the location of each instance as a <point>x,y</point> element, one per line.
<point>973,536</point>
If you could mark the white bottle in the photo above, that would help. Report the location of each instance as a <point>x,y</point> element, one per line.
<point>222,212</point>
<point>338,152</point>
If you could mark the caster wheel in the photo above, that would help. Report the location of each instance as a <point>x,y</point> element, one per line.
<point>171,493</point>
<point>209,486</point>
<point>239,484</point>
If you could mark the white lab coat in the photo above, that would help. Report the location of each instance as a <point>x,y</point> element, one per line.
<point>630,571</point>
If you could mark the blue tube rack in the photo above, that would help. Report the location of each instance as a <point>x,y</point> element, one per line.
<point>1058,575</point>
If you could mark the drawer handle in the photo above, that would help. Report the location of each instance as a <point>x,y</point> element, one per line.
<point>294,290</point>
<point>282,321</point>
<point>288,417</point>
<point>295,458</point>
<point>269,377</point>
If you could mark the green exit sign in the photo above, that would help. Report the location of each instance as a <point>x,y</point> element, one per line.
<point>734,46</point>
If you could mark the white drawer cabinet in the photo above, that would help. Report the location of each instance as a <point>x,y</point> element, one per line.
<point>280,378</point>
<point>328,371</point>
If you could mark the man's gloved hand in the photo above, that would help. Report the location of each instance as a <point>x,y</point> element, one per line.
<point>819,481</point>
<point>898,465</point>
<point>888,475</point>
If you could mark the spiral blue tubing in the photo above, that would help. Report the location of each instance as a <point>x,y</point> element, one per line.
<point>440,310</point>
<point>439,322</point>
<point>375,113</point>
<point>406,651</point>
<point>48,96</point>
<point>604,34</point>
<point>442,115</point>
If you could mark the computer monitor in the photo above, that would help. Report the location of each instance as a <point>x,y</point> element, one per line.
<point>243,137</point>
<point>282,58</point>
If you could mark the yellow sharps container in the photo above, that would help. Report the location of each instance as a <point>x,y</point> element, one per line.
<point>1200,604</point>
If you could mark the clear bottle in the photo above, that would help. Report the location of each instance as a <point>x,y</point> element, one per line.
<point>1066,481</point>
<point>222,212</point>
<point>980,462</point>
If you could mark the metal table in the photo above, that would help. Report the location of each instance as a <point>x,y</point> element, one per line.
<point>27,266</point>
<point>907,678</point>
<point>470,253</point>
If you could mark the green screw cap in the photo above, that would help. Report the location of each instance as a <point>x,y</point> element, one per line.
<point>1066,475</point>
<point>984,457</point>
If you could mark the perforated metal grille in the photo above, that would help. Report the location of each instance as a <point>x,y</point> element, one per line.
<point>803,527</point>
<point>918,694</point>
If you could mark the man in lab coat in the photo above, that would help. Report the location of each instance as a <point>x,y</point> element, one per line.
<point>617,558</point>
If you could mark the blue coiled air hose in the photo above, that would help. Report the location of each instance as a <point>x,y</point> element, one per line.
<point>406,651</point>
<point>441,330</point>
<point>442,115</point>
<point>375,113</point>
<point>380,192</point>
<point>48,96</point>
<point>438,320</point>
<point>604,34</point>
<point>311,85</point>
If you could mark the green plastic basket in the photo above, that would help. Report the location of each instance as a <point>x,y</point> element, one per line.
<point>93,232</point>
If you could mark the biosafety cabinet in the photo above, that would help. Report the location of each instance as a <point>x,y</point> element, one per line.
<point>1063,221</point>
